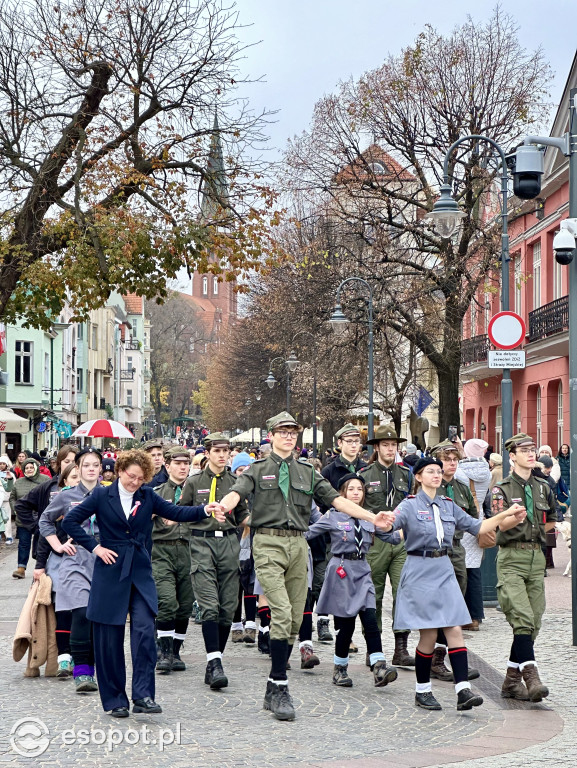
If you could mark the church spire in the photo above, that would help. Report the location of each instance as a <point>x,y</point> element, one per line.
<point>214,187</point>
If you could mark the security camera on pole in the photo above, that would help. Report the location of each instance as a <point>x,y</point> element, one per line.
<point>564,247</point>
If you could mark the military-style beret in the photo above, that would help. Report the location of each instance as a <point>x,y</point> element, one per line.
<point>282,419</point>
<point>426,461</point>
<point>518,440</point>
<point>87,450</point>
<point>347,477</point>
<point>348,429</point>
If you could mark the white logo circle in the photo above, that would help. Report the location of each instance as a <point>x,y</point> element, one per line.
<point>29,737</point>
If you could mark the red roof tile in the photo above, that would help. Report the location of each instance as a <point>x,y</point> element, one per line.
<point>133,304</point>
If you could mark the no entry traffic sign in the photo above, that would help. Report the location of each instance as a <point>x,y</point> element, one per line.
<point>506,330</point>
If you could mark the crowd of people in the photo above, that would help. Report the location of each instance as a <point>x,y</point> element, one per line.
<point>212,533</point>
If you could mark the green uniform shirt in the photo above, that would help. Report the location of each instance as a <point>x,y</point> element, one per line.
<point>169,531</point>
<point>197,491</point>
<point>379,495</point>
<point>463,497</point>
<point>270,509</point>
<point>513,487</point>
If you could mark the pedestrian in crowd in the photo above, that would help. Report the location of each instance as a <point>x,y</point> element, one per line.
<point>546,450</point>
<point>283,490</point>
<point>43,469</point>
<point>543,469</point>
<point>488,451</point>
<point>349,442</point>
<point>124,515</point>
<point>7,479</point>
<point>20,459</point>
<point>474,471</point>
<point>214,555</point>
<point>171,568</point>
<point>48,560</point>
<point>386,485</point>
<point>247,598</point>
<point>564,460</point>
<point>429,595</point>
<point>108,474</point>
<point>411,455</point>
<point>29,508</point>
<point>521,565</point>
<point>20,489</point>
<point>348,590</point>
<point>496,467</point>
<point>155,449</point>
<point>198,462</point>
<point>76,567</point>
<point>449,452</point>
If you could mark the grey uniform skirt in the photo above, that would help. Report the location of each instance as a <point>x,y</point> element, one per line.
<point>347,597</point>
<point>429,595</point>
<point>75,580</point>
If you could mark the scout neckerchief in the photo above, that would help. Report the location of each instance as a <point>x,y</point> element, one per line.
<point>438,525</point>
<point>350,467</point>
<point>529,502</point>
<point>212,494</point>
<point>178,493</point>
<point>358,536</point>
<point>283,479</point>
<point>450,491</point>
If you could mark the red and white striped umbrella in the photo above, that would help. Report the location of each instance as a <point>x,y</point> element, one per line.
<point>102,428</point>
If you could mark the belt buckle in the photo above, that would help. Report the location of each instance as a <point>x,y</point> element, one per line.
<point>218,534</point>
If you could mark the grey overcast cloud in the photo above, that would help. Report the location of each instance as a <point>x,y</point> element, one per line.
<point>308,46</point>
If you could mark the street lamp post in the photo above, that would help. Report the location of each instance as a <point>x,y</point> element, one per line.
<point>339,320</point>
<point>292,355</point>
<point>446,215</point>
<point>270,380</point>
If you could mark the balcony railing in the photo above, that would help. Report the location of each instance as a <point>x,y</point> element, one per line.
<point>474,350</point>
<point>131,344</point>
<point>127,375</point>
<point>548,319</point>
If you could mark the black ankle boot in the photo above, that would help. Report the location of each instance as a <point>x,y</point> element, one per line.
<point>178,664</point>
<point>214,675</point>
<point>164,663</point>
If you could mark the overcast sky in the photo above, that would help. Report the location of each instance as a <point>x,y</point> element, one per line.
<point>309,45</point>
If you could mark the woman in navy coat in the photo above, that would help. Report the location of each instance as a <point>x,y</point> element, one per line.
<point>122,583</point>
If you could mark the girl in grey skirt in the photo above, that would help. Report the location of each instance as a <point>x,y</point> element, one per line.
<point>348,589</point>
<point>429,597</point>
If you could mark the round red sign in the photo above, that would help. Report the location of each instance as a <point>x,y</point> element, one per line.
<point>506,330</point>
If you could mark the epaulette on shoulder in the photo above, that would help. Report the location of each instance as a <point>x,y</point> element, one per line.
<point>259,461</point>
<point>364,469</point>
<point>411,496</point>
<point>447,498</point>
<point>403,466</point>
<point>305,462</point>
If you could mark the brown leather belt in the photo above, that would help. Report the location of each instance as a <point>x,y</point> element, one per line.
<point>279,532</point>
<point>522,545</point>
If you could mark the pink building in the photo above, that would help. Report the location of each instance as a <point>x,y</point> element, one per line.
<point>539,289</point>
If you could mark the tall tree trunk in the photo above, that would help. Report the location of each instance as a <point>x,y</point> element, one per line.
<point>448,399</point>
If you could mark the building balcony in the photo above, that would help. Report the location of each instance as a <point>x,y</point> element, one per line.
<point>549,319</point>
<point>131,344</point>
<point>474,350</point>
<point>127,374</point>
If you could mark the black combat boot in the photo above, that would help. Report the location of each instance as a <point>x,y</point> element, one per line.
<point>278,701</point>
<point>178,664</point>
<point>164,663</point>
<point>323,631</point>
<point>214,675</point>
<point>264,642</point>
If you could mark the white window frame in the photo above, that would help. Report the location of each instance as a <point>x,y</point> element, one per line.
<point>537,274</point>
<point>215,286</point>
<point>560,415</point>
<point>24,354</point>
<point>205,286</point>
<point>539,413</point>
<point>129,398</point>
<point>557,279</point>
<point>517,275</point>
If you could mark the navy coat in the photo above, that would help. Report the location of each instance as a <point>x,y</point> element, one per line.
<point>131,539</point>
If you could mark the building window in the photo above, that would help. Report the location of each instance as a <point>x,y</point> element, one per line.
<point>146,339</point>
<point>80,333</point>
<point>560,416</point>
<point>134,329</point>
<point>518,420</point>
<point>129,363</point>
<point>498,429</point>
<point>129,398</point>
<point>539,416</point>
<point>517,278</point>
<point>46,371</point>
<point>205,286</point>
<point>79,379</point>
<point>94,340</point>
<point>537,275</point>
<point>557,279</point>
<point>23,362</point>
<point>215,286</point>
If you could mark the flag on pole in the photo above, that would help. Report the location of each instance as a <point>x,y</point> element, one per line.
<point>423,400</point>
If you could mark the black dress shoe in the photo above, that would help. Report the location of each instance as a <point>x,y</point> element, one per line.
<point>119,712</point>
<point>146,706</point>
<point>426,700</point>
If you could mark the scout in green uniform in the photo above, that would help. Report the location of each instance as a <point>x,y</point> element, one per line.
<point>387,484</point>
<point>155,449</point>
<point>283,489</point>
<point>171,568</point>
<point>214,553</point>
<point>521,565</point>
<point>461,494</point>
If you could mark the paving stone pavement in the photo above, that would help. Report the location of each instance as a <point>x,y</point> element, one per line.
<point>360,727</point>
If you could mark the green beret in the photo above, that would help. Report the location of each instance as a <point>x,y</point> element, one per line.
<point>282,419</point>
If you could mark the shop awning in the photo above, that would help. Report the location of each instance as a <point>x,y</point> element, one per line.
<point>11,422</point>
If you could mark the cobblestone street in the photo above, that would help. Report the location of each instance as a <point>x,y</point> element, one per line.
<point>363,726</point>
